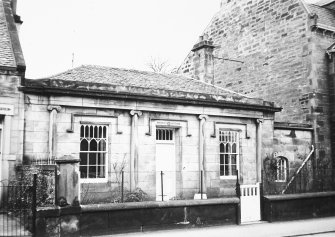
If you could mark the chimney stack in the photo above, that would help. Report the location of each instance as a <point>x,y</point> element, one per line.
<point>203,60</point>
<point>17,18</point>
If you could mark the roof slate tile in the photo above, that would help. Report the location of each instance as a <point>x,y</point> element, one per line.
<point>107,81</point>
<point>7,58</point>
<point>135,78</point>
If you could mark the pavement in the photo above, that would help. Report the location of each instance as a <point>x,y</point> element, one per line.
<point>10,226</point>
<point>318,227</point>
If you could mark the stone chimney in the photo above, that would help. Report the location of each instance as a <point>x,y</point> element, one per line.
<point>17,18</point>
<point>203,60</point>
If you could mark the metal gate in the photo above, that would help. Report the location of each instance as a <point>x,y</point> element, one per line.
<point>17,208</point>
<point>250,203</point>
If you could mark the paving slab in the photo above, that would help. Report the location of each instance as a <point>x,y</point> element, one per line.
<point>323,227</point>
<point>11,226</point>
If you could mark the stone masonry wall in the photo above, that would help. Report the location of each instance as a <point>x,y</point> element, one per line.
<point>119,137</point>
<point>12,149</point>
<point>284,60</point>
<point>271,38</point>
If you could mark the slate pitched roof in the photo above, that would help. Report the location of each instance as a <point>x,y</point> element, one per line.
<point>7,58</point>
<point>11,56</point>
<point>136,78</point>
<point>106,81</point>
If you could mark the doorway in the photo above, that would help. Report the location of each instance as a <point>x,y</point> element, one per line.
<point>165,164</point>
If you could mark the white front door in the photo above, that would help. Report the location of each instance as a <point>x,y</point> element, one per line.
<point>165,164</point>
<point>250,203</point>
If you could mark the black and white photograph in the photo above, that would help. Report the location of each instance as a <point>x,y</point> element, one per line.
<point>161,118</point>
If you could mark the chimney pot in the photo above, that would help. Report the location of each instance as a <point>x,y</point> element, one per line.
<point>205,36</point>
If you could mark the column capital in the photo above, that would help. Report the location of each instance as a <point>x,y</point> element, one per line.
<point>258,121</point>
<point>203,116</point>
<point>58,108</point>
<point>133,112</point>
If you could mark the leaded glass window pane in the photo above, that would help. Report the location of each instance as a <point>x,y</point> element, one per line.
<point>229,152</point>
<point>93,150</point>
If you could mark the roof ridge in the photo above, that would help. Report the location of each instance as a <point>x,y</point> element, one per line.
<point>127,69</point>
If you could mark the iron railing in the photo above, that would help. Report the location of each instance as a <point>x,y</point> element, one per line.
<point>18,208</point>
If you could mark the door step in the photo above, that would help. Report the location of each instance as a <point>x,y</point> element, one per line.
<point>253,222</point>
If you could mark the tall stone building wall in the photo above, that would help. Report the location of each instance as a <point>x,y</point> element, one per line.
<point>11,123</point>
<point>282,58</point>
<point>272,39</point>
<point>12,69</point>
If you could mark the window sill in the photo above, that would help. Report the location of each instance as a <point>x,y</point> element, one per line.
<point>99,180</point>
<point>228,177</point>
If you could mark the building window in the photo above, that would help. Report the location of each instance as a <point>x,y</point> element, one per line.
<point>281,175</point>
<point>229,153</point>
<point>164,134</point>
<point>93,151</point>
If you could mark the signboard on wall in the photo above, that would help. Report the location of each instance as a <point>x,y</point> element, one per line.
<point>6,109</point>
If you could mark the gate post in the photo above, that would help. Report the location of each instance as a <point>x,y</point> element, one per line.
<point>33,206</point>
<point>68,195</point>
<point>238,194</point>
<point>68,190</point>
<point>261,194</point>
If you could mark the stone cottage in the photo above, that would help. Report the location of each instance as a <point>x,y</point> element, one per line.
<point>160,130</point>
<point>280,51</point>
<point>146,123</point>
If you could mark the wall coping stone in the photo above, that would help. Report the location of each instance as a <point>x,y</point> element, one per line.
<point>299,196</point>
<point>154,204</point>
<point>57,211</point>
<point>67,159</point>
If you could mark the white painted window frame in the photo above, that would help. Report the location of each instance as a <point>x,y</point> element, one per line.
<point>237,153</point>
<point>96,180</point>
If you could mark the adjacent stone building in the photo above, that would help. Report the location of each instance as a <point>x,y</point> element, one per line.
<point>279,51</point>
<point>12,69</point>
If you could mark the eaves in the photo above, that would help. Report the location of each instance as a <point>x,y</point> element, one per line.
<point>47,91</point>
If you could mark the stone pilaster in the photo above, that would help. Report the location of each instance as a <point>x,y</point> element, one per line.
<point>259,162</point>
<point>133,165</point>
<point>202,149</point>
<point>54,109</point>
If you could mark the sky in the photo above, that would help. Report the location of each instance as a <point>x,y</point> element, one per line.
<point>57,35</point>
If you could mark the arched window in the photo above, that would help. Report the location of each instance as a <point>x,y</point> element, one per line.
<point>93,151</point>
<point>282,169</point>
